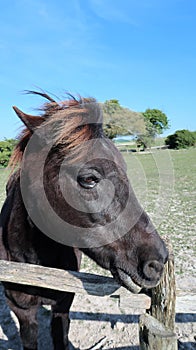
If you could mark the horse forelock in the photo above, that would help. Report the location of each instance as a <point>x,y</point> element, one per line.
<point>78,120</point>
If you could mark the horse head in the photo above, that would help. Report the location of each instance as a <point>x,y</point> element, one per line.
<point>75,188</point>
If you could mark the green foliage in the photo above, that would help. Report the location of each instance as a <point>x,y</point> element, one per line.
<point>156,121</point>
<point>143,126</point>
<point>181,139</point>
<point>6,148</point>
<point>121,121</point>
<point>111,130</point>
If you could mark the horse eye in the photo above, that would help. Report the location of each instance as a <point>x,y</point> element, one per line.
<point>88,181</point>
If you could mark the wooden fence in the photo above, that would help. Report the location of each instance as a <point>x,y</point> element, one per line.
<point>157,310</point>
<point>130,147</point>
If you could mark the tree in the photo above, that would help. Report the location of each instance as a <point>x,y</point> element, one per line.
<point>111,106</point>
<point>111,130</point>
<point>156,122</point>
<point>121,121</point>
<point>181,139</point>
<point>6,148</point>
<point>144,141</point>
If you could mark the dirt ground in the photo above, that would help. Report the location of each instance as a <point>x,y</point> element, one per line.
<point>96,323</point>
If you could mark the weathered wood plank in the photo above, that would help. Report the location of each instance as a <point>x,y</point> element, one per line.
<point>133,303</point>
<point>69,281</point>
<point>154,335</point>
<point>52,278</point>
<point>96,285</point>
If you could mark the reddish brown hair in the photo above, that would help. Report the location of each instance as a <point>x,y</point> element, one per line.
<point>80,120</point>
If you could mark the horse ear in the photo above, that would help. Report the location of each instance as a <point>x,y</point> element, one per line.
<point>32,122</point>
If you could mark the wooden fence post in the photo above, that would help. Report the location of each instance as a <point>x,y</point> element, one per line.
<point>157,327</point>
<point>155,336</point>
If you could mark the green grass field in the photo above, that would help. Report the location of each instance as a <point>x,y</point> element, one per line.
<point>165,183</point>
<point>168,195</point>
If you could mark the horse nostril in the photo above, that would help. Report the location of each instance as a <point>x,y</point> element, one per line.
<point>153,269</point>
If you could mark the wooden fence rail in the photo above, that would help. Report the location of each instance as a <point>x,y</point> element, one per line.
<point>71,281</point>
<point>86,283</point>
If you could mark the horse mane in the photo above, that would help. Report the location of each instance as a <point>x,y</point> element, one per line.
<point>80,119</point>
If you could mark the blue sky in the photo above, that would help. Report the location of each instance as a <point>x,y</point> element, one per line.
<point>142,53</point>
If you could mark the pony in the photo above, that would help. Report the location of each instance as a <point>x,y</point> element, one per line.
<point>69,194</point>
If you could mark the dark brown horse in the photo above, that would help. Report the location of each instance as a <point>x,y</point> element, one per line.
<point>70,194</point>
